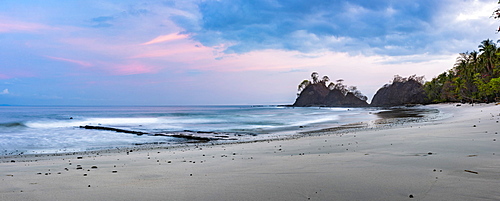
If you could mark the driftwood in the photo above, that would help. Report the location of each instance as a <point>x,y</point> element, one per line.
<point>470,171</point>
<point>176,135</point>
<point>113,129</point>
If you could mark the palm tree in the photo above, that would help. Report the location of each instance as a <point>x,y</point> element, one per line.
<point>331,86</point>
<point>303,85</point>
<point>315,77</point>
<point>325,79</point>
<point>461,69</point>
<point>340,86</point>
<point>488,50</point>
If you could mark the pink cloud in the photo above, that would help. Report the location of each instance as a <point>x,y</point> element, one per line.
<point>126,57</point>
<point>81,63</point>
<point>179,50</point>
<point>165,38</point>
<point>17,26</point>
<point>16,73</point>
<point>132,69</point>
<point>267,60</point>
<point>4,77</point>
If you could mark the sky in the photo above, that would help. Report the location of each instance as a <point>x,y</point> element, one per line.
<point>224,52</point>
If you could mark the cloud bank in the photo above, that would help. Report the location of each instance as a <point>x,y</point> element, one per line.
<point>224,51</point>
<point>382,27</point>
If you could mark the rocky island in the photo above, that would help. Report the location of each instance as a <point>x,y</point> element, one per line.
<point>323,93</point>
<point>402,91</point>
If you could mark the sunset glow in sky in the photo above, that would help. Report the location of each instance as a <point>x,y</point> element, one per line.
<point>205,52</point>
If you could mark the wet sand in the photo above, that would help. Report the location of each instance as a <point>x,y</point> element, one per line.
<point>457,158</point>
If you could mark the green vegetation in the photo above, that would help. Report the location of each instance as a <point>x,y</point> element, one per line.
<point>474,78</point>
<point>339,85</point>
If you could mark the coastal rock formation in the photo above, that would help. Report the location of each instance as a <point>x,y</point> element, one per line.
<point>323,93</point>
<point>402,91</point>
<point>319,95</point>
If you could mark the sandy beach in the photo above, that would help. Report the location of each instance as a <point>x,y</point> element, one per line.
<point>455,158</point>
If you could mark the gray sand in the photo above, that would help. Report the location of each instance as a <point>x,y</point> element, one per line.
<point>448,159</point>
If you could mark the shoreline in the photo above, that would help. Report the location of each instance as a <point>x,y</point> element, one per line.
<point>454,158</point>
<point>25,134</point>
<point>383,122</point>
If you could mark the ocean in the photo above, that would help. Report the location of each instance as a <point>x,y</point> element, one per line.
<point>58,129</point>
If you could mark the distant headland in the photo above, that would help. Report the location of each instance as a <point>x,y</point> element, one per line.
<point>475,78</point>
<point>323,93</point>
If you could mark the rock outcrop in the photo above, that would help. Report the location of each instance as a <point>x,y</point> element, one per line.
<point>400,93</point>
<point>319,95</point>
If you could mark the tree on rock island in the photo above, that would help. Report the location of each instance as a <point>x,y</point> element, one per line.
<point>322,92</point>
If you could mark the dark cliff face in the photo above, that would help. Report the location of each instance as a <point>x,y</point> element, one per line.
<point>351,99</point>
<point>400,93</point>
<point>319,95</point>
<point>312,95</point>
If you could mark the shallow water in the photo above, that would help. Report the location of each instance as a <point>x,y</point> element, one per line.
<point>27,130</point>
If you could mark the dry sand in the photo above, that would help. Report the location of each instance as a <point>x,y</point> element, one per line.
<point>457,158</point>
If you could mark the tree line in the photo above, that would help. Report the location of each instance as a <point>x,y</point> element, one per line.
<point>473,78</point>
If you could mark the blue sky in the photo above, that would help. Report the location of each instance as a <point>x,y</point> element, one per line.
<point>202,52</point>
